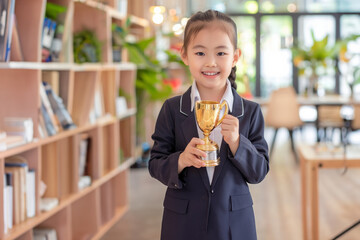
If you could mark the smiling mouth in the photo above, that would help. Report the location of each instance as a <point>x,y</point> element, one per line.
<point>210,73</point>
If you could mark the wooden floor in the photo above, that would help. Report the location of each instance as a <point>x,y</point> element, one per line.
<point>277,202</point>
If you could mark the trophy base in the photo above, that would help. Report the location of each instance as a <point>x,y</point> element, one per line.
<point>212,163</point>
<point>211,159</point>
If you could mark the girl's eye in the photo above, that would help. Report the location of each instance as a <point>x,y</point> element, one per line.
<point>199,53</point>
<point>221,54</point>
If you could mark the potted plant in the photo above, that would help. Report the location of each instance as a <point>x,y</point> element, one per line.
<point>349,69</point>
<point>149,77</point>
<point>87,47</point>
<point>316,60</point>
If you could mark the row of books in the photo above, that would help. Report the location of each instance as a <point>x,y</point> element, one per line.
<point>10,44</point>
<point>15,132</point>
<point>54,116</point>
<point>7,18</point>
<point>19,191</point>
<point>52,32</point>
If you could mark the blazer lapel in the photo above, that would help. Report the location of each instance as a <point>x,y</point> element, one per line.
<point>238,111</point>
<point>223,160</point>
<point>189,129</point>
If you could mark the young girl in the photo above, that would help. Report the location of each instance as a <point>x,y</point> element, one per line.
<point>210,203</point>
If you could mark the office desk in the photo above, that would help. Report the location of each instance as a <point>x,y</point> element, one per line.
<point>311,159</point>
<point>329,100</point>
<point>317,102</point>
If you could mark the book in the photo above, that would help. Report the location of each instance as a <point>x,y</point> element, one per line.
<point>4,11</point>
<point>46,204</point>
<point>42,128</point>
<point>8,202</point>
<point>19,165</point>
<point>59,108</point>
<point>52,78</point>
<point>51,122</point>
<point>6,22</point>
<point>84,181</point>
<point>49,126</point>
<point>11,142</point>
<point>48,33</point>
<point>14,174</point>
<point>121,106</point>
<point>10,22</point>
<point>16,126</point>
<point>30,193</point>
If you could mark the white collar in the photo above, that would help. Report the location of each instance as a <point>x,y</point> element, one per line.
<point>228,95</point>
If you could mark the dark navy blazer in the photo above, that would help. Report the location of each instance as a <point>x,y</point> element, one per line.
<point>194,209</point>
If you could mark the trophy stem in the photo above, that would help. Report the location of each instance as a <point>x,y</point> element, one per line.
<point>207,139</point>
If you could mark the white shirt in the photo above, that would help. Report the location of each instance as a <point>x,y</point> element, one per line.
<point>215,134</point>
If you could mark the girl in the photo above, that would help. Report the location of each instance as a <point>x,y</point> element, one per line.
<point>211,203</point>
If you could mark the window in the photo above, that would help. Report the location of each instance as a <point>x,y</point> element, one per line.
<point>246,70</point>
<point>276,59</point>
<point>267,28</point>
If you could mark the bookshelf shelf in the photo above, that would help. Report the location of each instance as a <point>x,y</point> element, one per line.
<point>43,216</point>
<point>67,66</point>
<point>101,147</point>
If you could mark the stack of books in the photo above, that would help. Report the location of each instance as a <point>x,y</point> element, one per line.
<point>19,191</point>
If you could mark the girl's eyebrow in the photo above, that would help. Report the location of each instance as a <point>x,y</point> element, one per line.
<point>222,46</point>
<point>218,47</point>
<point>198,46</point>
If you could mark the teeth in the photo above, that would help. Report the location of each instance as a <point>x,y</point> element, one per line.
<point>210,73</point>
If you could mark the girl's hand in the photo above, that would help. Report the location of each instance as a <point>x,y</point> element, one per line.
<point>230,131</point>
<point>191,155</point>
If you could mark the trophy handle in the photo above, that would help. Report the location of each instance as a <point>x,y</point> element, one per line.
<point>226,110</point>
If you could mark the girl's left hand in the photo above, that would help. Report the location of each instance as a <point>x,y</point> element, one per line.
<point>230,131</point>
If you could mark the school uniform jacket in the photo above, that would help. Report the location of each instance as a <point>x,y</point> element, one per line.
<point>194,209</point>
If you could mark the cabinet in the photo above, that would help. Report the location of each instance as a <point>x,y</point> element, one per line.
<point>81,213</point>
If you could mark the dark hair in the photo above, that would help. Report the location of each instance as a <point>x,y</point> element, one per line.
<point>200,20</point>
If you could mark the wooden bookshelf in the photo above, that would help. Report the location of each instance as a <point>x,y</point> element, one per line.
<point>81,213</point>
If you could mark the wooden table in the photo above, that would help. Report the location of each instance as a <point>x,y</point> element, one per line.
<point>311,159</point>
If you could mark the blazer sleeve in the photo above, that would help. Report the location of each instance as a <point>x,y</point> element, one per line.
<point>163,163</point>
<point>251,157</point>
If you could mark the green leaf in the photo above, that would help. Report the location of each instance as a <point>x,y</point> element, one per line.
<point>53,10</point>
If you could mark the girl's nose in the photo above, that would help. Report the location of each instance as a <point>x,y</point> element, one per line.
<point>211,62</point>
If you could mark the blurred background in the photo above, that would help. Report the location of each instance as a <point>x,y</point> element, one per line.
<point>300,61</point>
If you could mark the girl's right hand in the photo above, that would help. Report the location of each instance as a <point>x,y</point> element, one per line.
<point>191,156</point>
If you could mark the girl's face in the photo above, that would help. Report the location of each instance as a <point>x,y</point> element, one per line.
<point>210,57</point>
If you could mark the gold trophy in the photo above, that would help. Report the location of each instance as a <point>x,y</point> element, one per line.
<point>207,117</point>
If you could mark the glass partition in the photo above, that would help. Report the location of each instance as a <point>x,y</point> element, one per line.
<point>321,26</point>
<point>277,6</point>
<point>275,54</point>
<point>350,24</point>
<point>246,70</point>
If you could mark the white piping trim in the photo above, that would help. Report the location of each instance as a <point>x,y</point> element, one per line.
<point>181,105</point>
<point>242,106</point>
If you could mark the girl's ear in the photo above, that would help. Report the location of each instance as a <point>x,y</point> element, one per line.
<point>184,56</point>
<point>237,55</point>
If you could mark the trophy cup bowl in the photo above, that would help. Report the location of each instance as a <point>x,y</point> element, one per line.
<point>207,117</point>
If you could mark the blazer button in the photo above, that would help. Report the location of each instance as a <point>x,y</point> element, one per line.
<point>212,191</point>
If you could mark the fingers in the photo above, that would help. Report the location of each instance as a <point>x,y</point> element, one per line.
<point>195,141</point>
<point>192,155</point>
<point>230,123</point>
<point>230,129</point>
